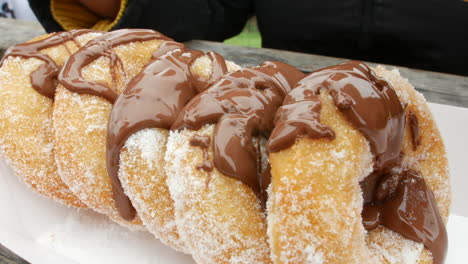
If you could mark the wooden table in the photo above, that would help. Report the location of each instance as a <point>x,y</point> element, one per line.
<point>436,87</point>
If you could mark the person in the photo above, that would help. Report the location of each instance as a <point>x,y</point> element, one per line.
<point>424,34</point>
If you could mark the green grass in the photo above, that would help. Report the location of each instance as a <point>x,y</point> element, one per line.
<point>250,36</point>
<point>245,38</point>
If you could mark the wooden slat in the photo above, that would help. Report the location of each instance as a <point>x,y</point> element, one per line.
<point>437,87</point>
<point>17,31</point>
<point>8,257</point>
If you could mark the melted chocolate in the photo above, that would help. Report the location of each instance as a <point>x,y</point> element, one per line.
<point>243,105</point>
<point>203,142</point>
<point>414,129</point>
<point>299,115</point>
<point>368,186</point>
<point>44,78</point>
<point>369,103</point>
<point>265,180</point>
<point>404,204</point>
<point>153,98</point>
<point>70,76</point>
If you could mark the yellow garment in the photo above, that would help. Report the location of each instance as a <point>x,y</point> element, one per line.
<point>72,15</point>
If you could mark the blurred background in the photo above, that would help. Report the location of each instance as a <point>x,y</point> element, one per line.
<point>422,34</point>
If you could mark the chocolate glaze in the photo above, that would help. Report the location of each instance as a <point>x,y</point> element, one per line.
<point>299,115</point>
<point>265,180</point>
<point>243,105</point>
<point>203,142</point>
<point>153,98</point>
<point>368,186</point>
<point>404,204</point>
<point>369,103</point>
<point>70,76</point>
<point>44,78</point>
<point>414,129</point>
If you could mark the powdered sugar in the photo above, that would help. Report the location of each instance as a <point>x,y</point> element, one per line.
<point>144,180</point>
<point>213,230</point>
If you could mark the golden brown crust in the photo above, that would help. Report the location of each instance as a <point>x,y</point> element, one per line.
<point>315,200</point>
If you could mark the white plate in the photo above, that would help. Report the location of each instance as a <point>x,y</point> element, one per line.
<point>42,231</point>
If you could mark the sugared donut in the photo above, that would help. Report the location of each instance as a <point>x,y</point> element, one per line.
<point>212,162</point>
<point>143,114</point>
<point>90,82</point>
<point>28,78</point>
<point>347,143</point>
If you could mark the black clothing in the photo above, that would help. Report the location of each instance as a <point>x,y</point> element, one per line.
<point>425,34</point>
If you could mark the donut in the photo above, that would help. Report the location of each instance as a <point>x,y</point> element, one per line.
<point>359,172</point>
<point>143,114</point>
<point>229,164</point>
<point>89,83</point>
<point>28,78</point>
<point>212,159</point>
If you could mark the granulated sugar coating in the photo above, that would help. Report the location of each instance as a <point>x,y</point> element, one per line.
<point>314,210</point>
<point>315,203</point>
<point>218,217</point>
<point>26,136</point>
<point>80,124</point>
<point>144,180</point>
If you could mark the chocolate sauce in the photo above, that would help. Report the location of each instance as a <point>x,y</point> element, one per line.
<point>203,142</point>
<point>414,129</point>
<point>243,105</point>
<point>153,98</point>
<point>369,103</point>
<point>299,115</point>
<point>404,204</point>
<point>70,76</point>
<point>265,180</point>
<point>44,78</point>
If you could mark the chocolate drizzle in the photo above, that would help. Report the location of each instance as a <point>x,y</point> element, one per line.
<point>404,204</point>
<point>153,98</point>
<point>400,201</point>
<point>44,78</point>
<point>243,105</point>
<point>369,103</point>
<point>70,76</point>
<point>414,129</point>
<point>203,142</point>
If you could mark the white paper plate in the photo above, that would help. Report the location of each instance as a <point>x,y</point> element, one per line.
<point>42,231</point>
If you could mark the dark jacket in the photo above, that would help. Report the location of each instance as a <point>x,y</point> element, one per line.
<point>425,34</point>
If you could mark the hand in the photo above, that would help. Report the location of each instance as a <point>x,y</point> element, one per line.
<point>102,8</point>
